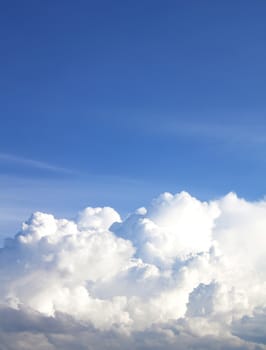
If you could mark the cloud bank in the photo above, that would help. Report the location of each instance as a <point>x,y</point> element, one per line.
<point>179,274</point>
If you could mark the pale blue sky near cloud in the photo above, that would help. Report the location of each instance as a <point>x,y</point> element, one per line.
<point>111,103</point>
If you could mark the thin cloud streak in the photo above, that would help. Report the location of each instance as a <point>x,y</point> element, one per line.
<point>14,159</point>
<point>223,132</point>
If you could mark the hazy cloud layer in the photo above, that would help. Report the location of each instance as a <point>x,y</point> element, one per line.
<point>179,274</point>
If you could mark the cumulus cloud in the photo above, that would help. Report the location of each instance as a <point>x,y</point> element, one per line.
<point>179,274</point>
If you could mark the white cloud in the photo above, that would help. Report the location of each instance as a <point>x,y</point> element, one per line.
<point>179,274</point>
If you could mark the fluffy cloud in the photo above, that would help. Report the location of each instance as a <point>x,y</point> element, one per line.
<point>179,274</point>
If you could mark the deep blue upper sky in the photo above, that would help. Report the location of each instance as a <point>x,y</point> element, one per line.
<point>110,102</point>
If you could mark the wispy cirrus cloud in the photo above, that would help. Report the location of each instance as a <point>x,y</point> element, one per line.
<point>32,163</point>
<point>224,132</point>
<point>220,128</point>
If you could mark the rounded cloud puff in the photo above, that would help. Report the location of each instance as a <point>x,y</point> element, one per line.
<point>173,227</point>
<point>179,262</point>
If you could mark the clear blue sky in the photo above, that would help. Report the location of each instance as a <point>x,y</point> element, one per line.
<point>112,102</point>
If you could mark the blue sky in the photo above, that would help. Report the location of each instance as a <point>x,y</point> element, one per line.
<point>113,102</point>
